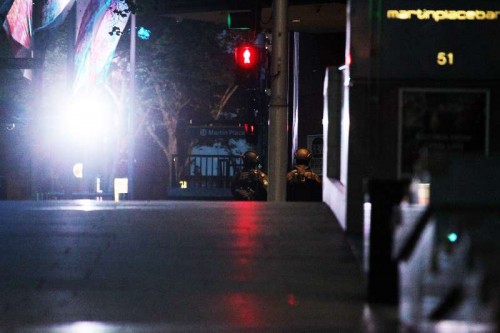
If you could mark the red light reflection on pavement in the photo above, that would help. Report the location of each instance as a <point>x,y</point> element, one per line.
<point>245,230</point>
<point>243,309</point>
<point>292,300</point>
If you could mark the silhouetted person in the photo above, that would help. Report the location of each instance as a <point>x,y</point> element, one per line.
<point>302,183</point>
<point>250,183</point>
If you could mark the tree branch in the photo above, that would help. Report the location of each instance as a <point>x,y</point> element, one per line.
<point>223,101</point>
<point>158,141</point>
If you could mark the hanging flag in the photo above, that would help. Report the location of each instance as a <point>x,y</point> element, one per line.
<point>18,27</point>
<point>54,12</point>
<point>99,30</point>
<point>16,18</point>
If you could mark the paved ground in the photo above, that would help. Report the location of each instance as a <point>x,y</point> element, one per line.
<point>179,266</point>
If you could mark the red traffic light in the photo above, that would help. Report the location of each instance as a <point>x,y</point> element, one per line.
<point>249,128</point>
<point>246,56</point>
<point>250,133</point>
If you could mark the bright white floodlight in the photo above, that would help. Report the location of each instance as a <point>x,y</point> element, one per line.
<point>87,118</point>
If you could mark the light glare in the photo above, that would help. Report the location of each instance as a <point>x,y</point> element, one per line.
<point>78,170</point>
<point>85,119</point>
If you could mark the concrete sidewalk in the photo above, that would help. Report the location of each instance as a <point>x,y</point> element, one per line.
<point>179,266</point>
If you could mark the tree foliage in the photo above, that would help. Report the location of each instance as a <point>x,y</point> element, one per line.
<point>183,72</point>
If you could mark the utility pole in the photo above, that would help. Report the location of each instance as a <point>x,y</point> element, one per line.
<point>278,108</point>
<point>38,55</point>
<point>131,112</point>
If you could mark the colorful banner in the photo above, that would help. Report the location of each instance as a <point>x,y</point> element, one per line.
<point>18,21</point>
<point>54,12</point>
<point>96,40</point>
<point>18,25</point>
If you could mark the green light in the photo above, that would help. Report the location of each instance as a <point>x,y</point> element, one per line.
<point>452,237</point>
<point>240,20</point>
<point>143,33</point>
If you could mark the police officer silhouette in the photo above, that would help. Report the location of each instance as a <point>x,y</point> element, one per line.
<point>250,183</point>
<point>302,183</point>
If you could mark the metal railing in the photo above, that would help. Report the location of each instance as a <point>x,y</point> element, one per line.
<point>204,171</point>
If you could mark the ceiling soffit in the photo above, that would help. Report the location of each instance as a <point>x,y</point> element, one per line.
<point>316,18</point>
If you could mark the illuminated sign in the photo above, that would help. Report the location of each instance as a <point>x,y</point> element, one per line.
<point>121,187</point>
<point>440,15</point>
<point>247,56</point>
<point>214,132</point>
<point>424,39</point>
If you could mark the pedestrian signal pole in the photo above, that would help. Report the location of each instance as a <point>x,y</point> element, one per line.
<point>278,108</point>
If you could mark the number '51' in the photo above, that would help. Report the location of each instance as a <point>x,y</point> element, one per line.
<point>444,58</point>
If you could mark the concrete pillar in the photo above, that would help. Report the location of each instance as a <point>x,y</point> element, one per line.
<point>278,108</point>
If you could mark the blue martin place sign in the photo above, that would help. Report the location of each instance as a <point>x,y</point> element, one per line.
<point>216,132</point>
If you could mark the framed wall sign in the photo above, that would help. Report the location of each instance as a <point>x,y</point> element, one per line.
<point>441,121</point>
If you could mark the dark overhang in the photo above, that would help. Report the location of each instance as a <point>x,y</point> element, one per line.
<point>303,15</point>
<point>192,6</point>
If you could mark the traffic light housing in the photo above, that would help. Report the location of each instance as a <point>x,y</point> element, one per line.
<point>247,56</point>
<point>250,133</point>
<point>244,20</point>
<point>241,20</point>
<point>247,59</point>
